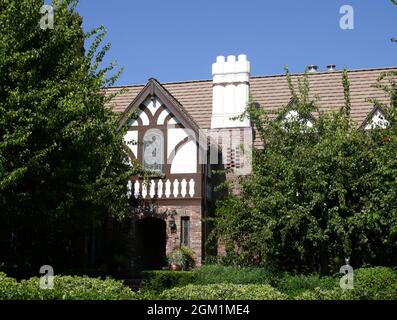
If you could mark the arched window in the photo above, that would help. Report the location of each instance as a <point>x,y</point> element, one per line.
<point>153,150</point>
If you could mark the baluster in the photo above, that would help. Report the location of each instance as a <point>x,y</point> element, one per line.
<point>160,188</point>
<point>129,189</point>
<point>152,192</point>
<point>176,188</point>
<point>168,188</point>
<point>144,190</point>
<point>191,187</point>
<point>183,188</point>
<point>136,189</point>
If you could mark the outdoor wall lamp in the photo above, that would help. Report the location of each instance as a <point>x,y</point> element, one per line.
<point>172,224</point>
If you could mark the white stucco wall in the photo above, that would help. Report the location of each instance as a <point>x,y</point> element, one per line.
<point>185,160</point>
<point>128,138</point>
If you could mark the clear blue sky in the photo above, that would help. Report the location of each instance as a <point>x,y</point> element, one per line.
<point>177,40</point>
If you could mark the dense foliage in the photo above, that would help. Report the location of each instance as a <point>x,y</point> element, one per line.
<point>377,283</point>
<point>158,281</point>
<point>183,256</point>
<point>62,164</point>
<point>65,288</point>
<point>223,292</point>
<point>289,284</point>
<point>369,284</point>
<point>217,273</point>
<point>321,189</point>
<point>220,282</point>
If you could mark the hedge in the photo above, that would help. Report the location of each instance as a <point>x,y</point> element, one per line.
<point>65,288</point>
<point>158,281</point>
<point>369,284</point>
<point>9,287</point>
<point>293,285</point>
<point>224,291</point>
<point>216,273</point>
<point>320,294</point>
<point>377,283</point>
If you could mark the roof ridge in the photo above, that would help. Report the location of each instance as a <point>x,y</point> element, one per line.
<point>181,107</point>
<point>326,72</point>
<point>257,76</point>
<point>126,86</point>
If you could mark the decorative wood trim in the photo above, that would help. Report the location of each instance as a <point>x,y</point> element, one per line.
<point>370,115</point>
<point>130,153</point>
<point>158,112</point>
<point>177,147</point>
<point>153,87</point>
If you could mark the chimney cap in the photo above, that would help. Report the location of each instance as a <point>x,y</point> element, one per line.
<point>331,67</point>
<point>312,68</point>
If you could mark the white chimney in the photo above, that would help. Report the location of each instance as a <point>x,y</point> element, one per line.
<point>230,91</point>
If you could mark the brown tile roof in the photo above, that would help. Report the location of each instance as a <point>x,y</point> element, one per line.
<point>271,92</point>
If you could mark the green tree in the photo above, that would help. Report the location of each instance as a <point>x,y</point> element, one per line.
<point>62,164</point>
<point>312,199</point>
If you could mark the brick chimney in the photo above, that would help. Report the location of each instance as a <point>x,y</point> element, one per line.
<point>230,91</point>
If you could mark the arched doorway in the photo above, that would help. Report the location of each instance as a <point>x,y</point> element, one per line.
<point>151,242</point>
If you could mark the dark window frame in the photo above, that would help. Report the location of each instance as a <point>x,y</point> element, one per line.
<point>185,231</point>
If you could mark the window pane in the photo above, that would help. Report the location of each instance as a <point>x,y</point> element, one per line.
<point>153,151</point>
<point>185,231</point>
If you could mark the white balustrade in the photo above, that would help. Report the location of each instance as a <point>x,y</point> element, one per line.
<point>170,188</point>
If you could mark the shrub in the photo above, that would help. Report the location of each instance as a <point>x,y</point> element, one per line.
<point>158,281</point>
<point>378,283</point>
<point>9,288</point>
<point>294,285</point>
<point>144,294</point>
<point>189,257</point>
<point>320,294</point>
<point>75,288</point>
<point>225,291</point>
<point>183,257</point>
<point>211,274</point>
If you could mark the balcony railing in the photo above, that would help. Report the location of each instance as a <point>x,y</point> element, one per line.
<point>162,188</point>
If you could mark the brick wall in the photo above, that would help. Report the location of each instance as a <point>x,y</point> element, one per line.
<point>194,212</point>
<point>130,243</point>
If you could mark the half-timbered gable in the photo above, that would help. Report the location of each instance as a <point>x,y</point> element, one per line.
<point>163,138</point>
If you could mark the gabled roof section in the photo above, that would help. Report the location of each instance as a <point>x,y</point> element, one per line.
<point>154,88</point>
<point>271,92</point>
<point>290,112</point>
<point>376,118</point>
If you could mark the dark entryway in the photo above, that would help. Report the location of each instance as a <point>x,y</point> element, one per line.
<point>151,242</point>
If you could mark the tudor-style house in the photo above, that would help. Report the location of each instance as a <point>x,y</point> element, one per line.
<point>175,134</point>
